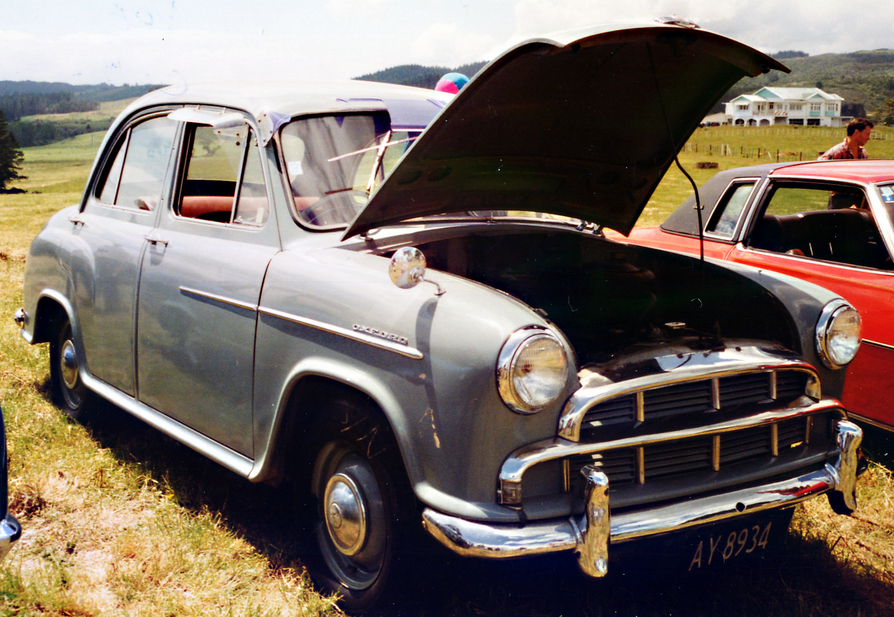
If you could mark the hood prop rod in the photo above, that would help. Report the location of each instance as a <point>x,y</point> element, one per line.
<point>698,208</point>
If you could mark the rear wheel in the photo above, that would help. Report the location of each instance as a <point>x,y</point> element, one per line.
<point>357,517</point>
<point>66,365</point>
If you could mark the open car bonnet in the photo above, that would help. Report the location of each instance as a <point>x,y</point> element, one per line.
<point>583,124</point>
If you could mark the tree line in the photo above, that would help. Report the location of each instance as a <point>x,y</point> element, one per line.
<point>38,133</point>
<point>10,157</point>
<point>17,106</point>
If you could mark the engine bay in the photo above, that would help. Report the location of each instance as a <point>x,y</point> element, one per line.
<point>609,298</point>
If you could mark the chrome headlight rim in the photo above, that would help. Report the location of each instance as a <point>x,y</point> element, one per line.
<point>833,311</point>
<point>512,350</point>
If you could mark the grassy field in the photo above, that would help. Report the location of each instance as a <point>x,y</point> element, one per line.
<point>731,147</point>
<point>120,520</point>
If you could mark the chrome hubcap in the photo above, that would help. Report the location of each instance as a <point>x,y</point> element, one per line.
<point>69,365</point>
<point>354,530</point>
<point>346,516</point>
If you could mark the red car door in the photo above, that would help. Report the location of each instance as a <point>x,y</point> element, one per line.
<point>871,292</point>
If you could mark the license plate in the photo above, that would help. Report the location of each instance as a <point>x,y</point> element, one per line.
<point>718,545</point>
<point>738,542</point>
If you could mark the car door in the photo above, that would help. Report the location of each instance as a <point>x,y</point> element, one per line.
<point>824,234</point>
<point>107,244</point>
<point>200,285</point>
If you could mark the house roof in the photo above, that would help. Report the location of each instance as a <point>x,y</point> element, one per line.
<point>787,94</point>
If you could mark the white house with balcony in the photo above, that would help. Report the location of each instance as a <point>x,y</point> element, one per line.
<point>773,106</point>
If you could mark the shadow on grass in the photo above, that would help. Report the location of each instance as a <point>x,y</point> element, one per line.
<point>801,579</point>
<point>878,445</point>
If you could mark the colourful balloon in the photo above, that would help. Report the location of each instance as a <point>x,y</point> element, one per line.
<point>452,83</point>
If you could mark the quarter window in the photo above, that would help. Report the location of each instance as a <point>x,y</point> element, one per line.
<point>726,215</point>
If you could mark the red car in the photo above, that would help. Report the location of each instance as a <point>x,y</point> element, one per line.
<point>827,222</point>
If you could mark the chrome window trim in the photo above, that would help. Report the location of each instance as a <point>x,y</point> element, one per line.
<point>746,219</point>
<point>870,190</point>
<point>757,185</point>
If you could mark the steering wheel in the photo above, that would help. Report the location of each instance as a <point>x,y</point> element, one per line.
<point>336,208</point>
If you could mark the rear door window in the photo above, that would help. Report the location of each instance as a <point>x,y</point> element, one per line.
<point>135,178</point>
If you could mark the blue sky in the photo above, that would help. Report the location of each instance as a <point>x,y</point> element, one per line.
<point>178,41</point>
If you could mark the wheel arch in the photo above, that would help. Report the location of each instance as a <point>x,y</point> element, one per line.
<point>51,307</point>
<point>304,402</point>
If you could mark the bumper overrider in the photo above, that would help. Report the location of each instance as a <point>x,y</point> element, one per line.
<point>590,534</point>
<point>803,468</point>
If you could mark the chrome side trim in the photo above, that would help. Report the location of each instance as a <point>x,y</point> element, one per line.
<point>230,459</point>
<point>216,298</point>
<point>373,341</point>
<point>520,461</point>
<point>879,345</point>
<point>869,421</point>
<point>503,541</point>
<point>684,367</point>
<point>376,339</point>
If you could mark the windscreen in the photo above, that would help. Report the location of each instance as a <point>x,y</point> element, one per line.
<point>335,162</point>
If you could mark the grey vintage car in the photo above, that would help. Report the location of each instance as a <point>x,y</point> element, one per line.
<point>463,351</point>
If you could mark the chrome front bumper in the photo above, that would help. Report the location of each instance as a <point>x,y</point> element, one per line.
<point>589,535</point>
<point>10,532</point>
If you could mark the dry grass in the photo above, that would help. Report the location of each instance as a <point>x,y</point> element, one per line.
<point>120,520</point>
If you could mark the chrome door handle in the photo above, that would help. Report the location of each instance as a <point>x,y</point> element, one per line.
<point>156,240</point>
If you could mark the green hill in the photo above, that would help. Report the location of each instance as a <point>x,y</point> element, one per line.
<point>419,76</point>
<point>862,78</point>
<point>865,79</point>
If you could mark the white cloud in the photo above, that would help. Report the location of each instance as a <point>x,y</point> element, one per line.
<point>450,45</point>
<point>120,41</point>
<point>354,7</point>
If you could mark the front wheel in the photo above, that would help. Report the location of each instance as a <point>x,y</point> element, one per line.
<point>355,512</point>
<point>66,365</point>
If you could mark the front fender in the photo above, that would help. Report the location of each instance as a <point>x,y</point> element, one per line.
<point>436,386</point>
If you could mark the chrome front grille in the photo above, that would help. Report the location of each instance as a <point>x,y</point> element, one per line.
<point>694,397</point>
<point>704,453</point>
<point>682,424</point>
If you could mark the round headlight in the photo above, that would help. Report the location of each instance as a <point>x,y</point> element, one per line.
<point>838,334</point>
<point>532,370</point>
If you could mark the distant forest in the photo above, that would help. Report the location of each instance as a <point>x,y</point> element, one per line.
<point>22,100</point>
<point>17,106</point>
<point>419,76</point>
